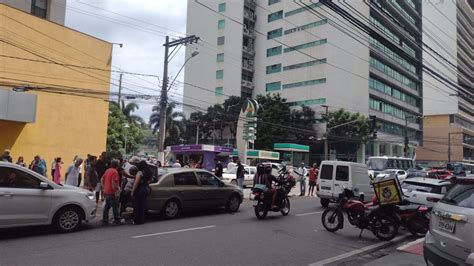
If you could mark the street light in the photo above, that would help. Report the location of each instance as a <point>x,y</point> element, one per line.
<point>117,43</point>
<point>181,69</point>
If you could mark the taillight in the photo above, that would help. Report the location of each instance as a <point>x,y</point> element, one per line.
<point>423,208</point>
<point>430,199</point>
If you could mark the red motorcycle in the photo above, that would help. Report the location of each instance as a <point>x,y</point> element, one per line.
<point>364,216</point>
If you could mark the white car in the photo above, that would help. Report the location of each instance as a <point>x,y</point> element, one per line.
<point>426,191</point>
<point>27,198</point>
<point>230,177</point>
<point>401,174</point>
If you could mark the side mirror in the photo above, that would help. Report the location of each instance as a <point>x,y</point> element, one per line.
<point>44,185</point>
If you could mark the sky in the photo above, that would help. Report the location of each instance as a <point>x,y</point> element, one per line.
<point>141,26</point>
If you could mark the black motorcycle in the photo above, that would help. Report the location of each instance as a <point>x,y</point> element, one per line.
<point>262,201</point>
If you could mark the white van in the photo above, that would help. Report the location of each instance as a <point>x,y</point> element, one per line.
<point>333,175</point>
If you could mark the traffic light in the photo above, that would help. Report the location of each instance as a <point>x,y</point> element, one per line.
<point>373,125</point>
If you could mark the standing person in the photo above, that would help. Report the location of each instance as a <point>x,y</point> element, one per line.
<point>53,167</point>
<point>313,175</point>
<point>219,169</point>
<point>38,165</point>
<point>301,172</point>
<point>72,173</point>
<point>240,175</point>
<point>79,179</point>
<point>21,161</point>
<point>6,156</point>
<point>129,172</point>
<point>139,192</point>
<point>91,177</point>
<point>110,183</point>
<point>57,171</point>
<point>176,164</point>
<point>101,166</point>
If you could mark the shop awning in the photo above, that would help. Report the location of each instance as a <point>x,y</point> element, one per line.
<point>290,147</point>
<point>201,148</point>
<point>260,154</point>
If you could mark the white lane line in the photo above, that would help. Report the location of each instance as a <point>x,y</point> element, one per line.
<point>176,231</point>
<point>308,213</point>
<point>407,245</point>
<point>356,252</point>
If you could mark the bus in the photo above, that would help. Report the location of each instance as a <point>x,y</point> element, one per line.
<point>377,164</point>
<point>458,167</point>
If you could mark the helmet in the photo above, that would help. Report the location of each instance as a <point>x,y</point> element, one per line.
<point>260,169</point>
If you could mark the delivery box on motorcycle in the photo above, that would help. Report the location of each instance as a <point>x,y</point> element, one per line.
<point>334,175</point>
<point>388,190</point>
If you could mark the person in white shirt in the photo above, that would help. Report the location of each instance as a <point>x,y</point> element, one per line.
<point>72,174</point>
<point>301,174</point>
<point>177,164</point>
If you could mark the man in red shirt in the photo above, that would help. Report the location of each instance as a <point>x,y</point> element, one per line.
<point>313,175</point>
<point>110,184</point>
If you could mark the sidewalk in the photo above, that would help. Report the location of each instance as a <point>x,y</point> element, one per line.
<point>408,254</point>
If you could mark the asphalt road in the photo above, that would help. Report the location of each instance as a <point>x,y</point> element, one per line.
<point>209,238</point>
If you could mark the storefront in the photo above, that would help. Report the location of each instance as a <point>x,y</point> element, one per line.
<point>203,154</point>
<point>256,156</point>
<point>293,154</point>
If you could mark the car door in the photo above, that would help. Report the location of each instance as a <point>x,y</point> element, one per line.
<point>341,178</point>
<point>214,195</point>
<point>188,190</point>
<point>22,202</point>
<point>249,177</point>
<point>325,180</point>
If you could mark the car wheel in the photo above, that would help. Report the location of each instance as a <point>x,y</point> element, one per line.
<point>233,203</point>
<point>325,203</point>
<point>67,219</point>
<point>234,182</point>
<point>171,209</point>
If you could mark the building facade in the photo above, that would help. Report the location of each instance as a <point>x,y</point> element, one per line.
<point>312,56</point>
<point>47,107</point>
<point>52,10</point>
<point>449,106</point>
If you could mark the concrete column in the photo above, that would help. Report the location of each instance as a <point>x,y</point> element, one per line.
<point>361,154</point>
<point>376,148</point>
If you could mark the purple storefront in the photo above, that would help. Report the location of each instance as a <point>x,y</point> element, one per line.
<point>201,153</point>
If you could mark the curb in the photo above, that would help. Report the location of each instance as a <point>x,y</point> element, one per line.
<point>419,240</point>
<point>368,249</point>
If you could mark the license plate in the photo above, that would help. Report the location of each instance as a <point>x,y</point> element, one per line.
<point>326,188</point>
<point>446,225</point>
<point>254,202</point>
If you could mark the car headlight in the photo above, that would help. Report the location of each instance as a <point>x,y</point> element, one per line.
<point>90,196</point>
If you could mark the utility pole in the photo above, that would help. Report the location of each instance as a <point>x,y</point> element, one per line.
<point>405,150</point>
<point>326,144</point>
<point>120,89</point>
<point>164,90</point>
<point>197,133</point>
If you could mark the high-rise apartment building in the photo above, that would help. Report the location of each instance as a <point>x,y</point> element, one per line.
<point>448,28</point>
<point>53,10</point>
<point>312,56</point>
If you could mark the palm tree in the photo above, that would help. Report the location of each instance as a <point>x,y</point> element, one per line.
<point>174,123</point>
<point>128,110</point>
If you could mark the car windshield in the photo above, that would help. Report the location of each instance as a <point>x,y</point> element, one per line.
<point>421,187</point>
<point>461,195</point>
<point>377,164</point>
<point>389,172</point>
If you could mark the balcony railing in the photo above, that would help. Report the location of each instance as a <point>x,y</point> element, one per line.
<point>250,15</point>
<point>247,84</point>
<point>249,32</point>
<point>247,66</point>
<point>248,49</point>
<point>250,3</point>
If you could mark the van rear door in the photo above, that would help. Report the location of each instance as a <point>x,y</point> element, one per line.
<point>325,181</point>
<point>341,179</point>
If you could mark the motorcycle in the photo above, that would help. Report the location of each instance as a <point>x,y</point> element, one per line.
<point>364,216</point>
<point>262,201</point>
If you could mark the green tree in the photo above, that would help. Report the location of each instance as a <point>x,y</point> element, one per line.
<point>128,110</point>
<point>347,139</point>
<point>274,115</point>
<point>175,126</point>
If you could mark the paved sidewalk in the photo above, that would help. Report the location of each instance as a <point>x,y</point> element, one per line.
<point>408,254</point>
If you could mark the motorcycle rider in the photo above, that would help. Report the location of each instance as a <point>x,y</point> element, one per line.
<point>263,180</point>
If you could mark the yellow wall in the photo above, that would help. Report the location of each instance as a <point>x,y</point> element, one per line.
<point>65,125</point>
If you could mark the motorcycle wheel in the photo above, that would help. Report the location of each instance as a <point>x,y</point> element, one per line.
<point>332,219</point>
<point>418,226</point>
<point>385,227</point>
<point>260,211</point>
<point>285,206</point>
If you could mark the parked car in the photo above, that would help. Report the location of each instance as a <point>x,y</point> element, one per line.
<point>192,189</point>
<point>400,174</point>
<point>439,174</point>
<point>333,175</point>
<point>416,173</point>
<point>230,177</point>
<point>450,240</point>
<point>425,191</point>
<point>27,198</point>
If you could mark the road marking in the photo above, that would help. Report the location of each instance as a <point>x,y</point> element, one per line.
<point>176,231</point>
<point>308,213</point>
<point>407,245</point>
<point>357,251</point>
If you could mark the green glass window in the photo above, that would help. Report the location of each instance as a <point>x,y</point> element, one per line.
<point>219,91</point>
<point>274,33</point>
<point>275,16</point>
<point>219,74</point>
<point>271,2</point>
<point>304,83</point>
<point>302,9</point>
<point>305,64</point>
<point>273,86</point>
<point>308,102</point>
<point>274,51</point>
<point>221,24</point>
<point>274,68</point>
<point>395,93</point>
<point>392,73</point>
<point>385,50</point>
<point>305,45</point>
<point>222,7</point>
<point>220,57</point>
<point>307,26</point>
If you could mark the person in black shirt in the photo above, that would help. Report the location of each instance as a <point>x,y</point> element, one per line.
<point>219,169</point>
<point>240,174</point>
<point>101,166</point>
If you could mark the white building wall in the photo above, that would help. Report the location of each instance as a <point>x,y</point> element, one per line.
<point>56,11</point>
